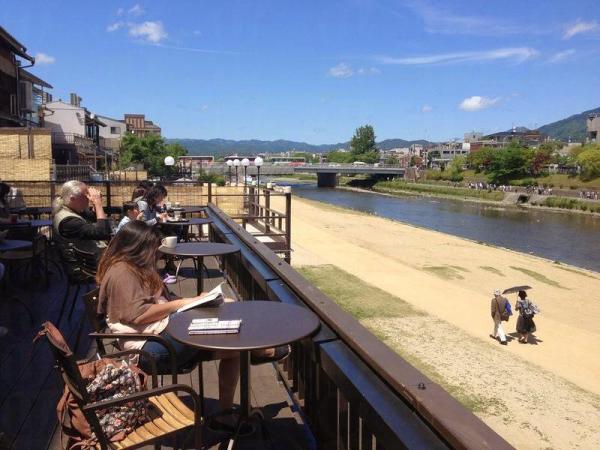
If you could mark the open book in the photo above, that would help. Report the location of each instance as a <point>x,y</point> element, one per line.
<point>212,298</point>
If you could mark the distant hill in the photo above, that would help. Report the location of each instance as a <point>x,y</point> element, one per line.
<point>223,147</point>
<point>573,127</point>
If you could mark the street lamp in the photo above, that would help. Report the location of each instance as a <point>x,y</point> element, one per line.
<point>169,161</point>
<point>258,161</point>
<point>245,163</point>
<point>229,164</point>
<point>236,163</point>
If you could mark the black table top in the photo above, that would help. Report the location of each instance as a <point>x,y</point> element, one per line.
<point>200,249</point>
<point>14,244</point>
<point>264,324</point>
<point>188,209</point>
<point>190,221</point>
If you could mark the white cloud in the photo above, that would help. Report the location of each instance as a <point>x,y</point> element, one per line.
<point>561,56</point>
<point>426,109</point>
<point>516,54</point>
<point>136,10</point>
<point>343,70</point>
<point>115,26</point>
<point>120,11</point>
<point>477,102</point>
<point>42,58</point>
<point>581,27</point>
<point>149,31</point>
<point>204,107</point>
<point>438,20</point>
<point>196,32</point>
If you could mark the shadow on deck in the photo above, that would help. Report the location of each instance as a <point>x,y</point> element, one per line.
<point>30,386</point>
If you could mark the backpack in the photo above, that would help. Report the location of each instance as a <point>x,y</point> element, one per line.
<point>105,378</point>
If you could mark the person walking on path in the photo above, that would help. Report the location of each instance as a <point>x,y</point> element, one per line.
<point>527,311</point>
<point>499,314</point>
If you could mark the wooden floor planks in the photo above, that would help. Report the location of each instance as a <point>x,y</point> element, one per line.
<point>30,386</point>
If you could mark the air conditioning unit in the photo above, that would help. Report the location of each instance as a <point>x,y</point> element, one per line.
<point>26,95</point>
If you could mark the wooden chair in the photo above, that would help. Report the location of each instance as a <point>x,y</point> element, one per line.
<point>101,332</point>
<point>169,416</point>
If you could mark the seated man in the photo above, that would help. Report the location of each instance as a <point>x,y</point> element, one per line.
<point>74,225</point>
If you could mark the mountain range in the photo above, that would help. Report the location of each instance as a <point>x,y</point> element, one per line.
<point>573,128</point>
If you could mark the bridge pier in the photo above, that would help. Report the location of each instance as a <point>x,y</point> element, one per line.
<point>325,179</point>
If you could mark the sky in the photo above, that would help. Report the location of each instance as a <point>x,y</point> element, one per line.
<point>314,71</point>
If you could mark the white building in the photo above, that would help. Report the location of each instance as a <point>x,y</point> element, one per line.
<point>112,133</point>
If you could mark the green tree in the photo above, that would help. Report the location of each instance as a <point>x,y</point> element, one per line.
<point>510,163</point>
<point>340,157</point>
<point>151,151</point>
<point>392,160</point>
<point>482,159</point>
<point>362,145</point>
<point>589,160</point>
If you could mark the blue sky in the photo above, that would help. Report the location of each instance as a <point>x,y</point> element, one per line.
<point>315,70</point>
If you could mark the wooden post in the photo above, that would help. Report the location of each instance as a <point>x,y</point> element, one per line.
<point>267,214</point>
<point>209,192</point>
<point>108,194</point>
<point>288,226</point>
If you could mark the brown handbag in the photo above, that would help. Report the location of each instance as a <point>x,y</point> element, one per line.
<point>70,416</point>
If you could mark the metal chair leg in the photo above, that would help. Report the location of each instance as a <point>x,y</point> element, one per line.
<point>201,386</point>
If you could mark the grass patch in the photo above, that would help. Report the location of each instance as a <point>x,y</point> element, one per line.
<point>433,189</point>
<point>578,272</point>
<point>538,276</point>
<point>446,272</point>
<point>571,203</point>
<point>356,297</point>
<point>492,270</point>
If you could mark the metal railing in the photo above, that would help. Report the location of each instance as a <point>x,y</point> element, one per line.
<point>353,391</point>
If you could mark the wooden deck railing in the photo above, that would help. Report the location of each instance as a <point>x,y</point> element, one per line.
<point>353,390</point>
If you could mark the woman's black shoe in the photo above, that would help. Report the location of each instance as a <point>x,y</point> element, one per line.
<point>280,354</point>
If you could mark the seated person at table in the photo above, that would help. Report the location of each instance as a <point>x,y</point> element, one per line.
<point>4,209</point>
<point>150,205</point>
<point>131,212</point>
<point>134,300</point>
<point>140,190</point>
<point>74,225</point>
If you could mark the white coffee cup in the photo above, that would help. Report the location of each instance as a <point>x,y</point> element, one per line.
<point>168,205</point>
<point>177,215</point>
<point>169,241</point>
<point>177,204</point>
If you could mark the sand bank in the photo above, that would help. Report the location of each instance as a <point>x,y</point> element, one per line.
<point>453,278</point>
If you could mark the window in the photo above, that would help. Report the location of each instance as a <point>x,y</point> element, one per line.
<point>115,130</point>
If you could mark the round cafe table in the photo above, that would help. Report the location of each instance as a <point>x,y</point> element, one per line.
<point>198,250</point>
<point>265,324</point>
<point>188,209</point>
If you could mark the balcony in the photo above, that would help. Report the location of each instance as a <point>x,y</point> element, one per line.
<point>341,388</point>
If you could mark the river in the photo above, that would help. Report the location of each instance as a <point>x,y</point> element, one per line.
<point>570,238</point>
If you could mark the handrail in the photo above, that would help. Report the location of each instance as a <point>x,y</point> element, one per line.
<point>443,413</point>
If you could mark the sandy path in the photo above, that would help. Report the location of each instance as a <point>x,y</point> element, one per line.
<point>453,278</point>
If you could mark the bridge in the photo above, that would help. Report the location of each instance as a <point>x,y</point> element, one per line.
<point>327,173</point>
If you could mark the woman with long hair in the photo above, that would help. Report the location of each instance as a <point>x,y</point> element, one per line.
<point>4,210</point>
<point>140,190</point>
<point>134,300</point>
<point>151,203</point>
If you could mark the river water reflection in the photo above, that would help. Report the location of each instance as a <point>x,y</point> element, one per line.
<point>570,238</point>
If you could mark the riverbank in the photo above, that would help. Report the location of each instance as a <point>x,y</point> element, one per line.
<point>451,280</point>
<point>594,210</point>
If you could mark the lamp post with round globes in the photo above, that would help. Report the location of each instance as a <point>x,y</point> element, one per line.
<point>236,163</point>
<point>258,161</point>
<point>229,164</point>
<point>245,164</point>
<point>169,161</point>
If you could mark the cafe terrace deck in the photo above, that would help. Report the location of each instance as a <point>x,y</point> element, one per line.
<point>340,389</point>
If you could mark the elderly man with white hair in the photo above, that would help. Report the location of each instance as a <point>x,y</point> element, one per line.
<point>74,225</point>
<point>500,313</point>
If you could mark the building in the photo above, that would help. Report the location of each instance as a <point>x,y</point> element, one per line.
<point>192,165</point>
<point>593,127</point>
<point>21,92</point>
<point>446,152</point>
<point>522,135</point>
<point>25,148</point>
<point>473,136</point>
<point>76,134</point>
<point>111,134</point>
<point>138,125</point>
